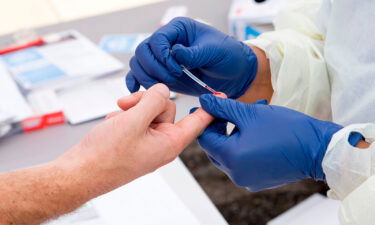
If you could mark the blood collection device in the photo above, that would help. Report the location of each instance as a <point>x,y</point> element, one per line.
<point>196,79</point>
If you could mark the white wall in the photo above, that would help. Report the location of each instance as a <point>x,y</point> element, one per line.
<point>25,14</point>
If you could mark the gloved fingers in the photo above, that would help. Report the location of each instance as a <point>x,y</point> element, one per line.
<point>213,139</point>
<point>190,57</point>
<point>161,42</point>
<point>161,49</point>
<point>226,109</point>
<point>140,75</point>
<point>151,65</point>
<point>131,82</point>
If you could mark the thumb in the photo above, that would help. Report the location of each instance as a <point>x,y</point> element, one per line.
<point>132,83</point>
<point>188,56</point>
<point>225,109</point>
<point>153,103</point>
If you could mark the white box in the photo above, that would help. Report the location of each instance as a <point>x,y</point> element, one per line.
<point>248,18</point>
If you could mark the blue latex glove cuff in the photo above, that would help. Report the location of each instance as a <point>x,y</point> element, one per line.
<point>252,69</point>
<point>354,138</point>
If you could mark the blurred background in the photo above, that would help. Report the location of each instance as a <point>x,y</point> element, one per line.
<point>25,14</point>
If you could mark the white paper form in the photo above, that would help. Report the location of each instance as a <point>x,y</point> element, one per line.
<point>11,100</point>
<point>57,65</point>
<point>80,57</point>
<point>92,100</point>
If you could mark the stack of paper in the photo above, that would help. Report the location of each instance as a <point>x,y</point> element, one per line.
<point>60,64</point>
<point>12,101</point>
<point>92,100</point>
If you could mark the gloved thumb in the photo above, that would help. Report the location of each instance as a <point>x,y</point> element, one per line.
<point>213,140</point>
<point>225,109</point>
<point>188,56</point>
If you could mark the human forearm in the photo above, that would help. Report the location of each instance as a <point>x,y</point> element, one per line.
<point>261,87</point>
<point>32,196</point>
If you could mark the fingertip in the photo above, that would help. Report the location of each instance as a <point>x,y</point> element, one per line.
<point>161,88</point>
<point>182,56</point>
<point>176,48</point>
<point>131,83</point>
<point>220,95</point>
<point>177,52</point>
<point>142,47</point>
<point>177,70</point>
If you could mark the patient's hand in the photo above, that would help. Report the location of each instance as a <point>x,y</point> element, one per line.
<point>137,140</point>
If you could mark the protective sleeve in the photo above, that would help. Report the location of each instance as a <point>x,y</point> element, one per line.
<point>298,69</point>
<point>349,173</point>
<point>347,167</point>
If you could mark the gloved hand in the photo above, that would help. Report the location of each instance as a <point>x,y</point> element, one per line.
<point>270,145</point>
<point>221,61</point>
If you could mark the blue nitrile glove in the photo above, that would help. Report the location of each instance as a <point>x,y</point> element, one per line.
<point>270,145</point>
<point>221,61</point>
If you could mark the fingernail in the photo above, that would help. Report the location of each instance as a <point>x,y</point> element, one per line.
<point>220,94</point>
<point>162,89</point>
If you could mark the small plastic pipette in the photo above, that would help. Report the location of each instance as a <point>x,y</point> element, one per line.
<point>196,79</point>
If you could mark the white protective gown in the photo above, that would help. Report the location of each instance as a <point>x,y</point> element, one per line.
<point>322,56</point>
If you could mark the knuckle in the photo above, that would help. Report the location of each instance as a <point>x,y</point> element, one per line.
<point>158,99</point>
<point>140,49</point>
<point>172,104</point>
<point>156,37</point>
<point>132,63</point>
